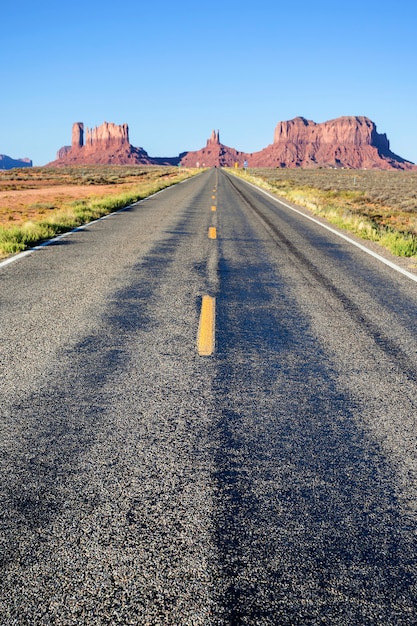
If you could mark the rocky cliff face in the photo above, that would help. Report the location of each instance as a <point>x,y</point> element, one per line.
<point>104,145</point>
<point>62,152</point>
<point>107,135</point>
<point>77,135</point>
<point>351,142</point>
<point>7,163</point>
<point>357,131</point>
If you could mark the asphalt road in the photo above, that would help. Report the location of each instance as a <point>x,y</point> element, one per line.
<point>272,482</point>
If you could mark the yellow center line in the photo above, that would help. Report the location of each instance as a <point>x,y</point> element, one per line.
<point>213,197</point>
<point>213,208</point>
<point>207,326</point>
<point>212,233</point>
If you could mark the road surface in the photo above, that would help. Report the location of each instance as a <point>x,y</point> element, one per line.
<point>268,477</point>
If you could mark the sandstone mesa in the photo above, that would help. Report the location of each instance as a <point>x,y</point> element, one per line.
<point>349,142</point>
<point>104,145</point>
<point>346,142</point>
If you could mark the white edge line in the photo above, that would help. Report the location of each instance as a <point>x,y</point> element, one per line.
<point>20,255</point>
<point>335,232</point>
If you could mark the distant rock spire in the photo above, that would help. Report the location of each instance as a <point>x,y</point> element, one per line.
<point>214,138</point>
<point>77,135</point>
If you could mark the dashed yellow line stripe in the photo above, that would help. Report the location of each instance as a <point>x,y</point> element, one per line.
<point>212,232</point>
<point>214,208</point>
<point>207,326</point>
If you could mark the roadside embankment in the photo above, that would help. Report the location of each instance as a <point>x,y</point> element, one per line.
<point>379,206</point>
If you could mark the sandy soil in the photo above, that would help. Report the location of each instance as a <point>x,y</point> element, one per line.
<point>27,204</point>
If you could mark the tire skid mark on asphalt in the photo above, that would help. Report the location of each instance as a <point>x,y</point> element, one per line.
<point>377,256</point>
<point>291,519</point>
<point>385,343</point>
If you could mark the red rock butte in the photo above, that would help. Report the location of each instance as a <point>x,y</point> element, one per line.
<point>215,154</point>
<point>350,142</point>
<point>346,142</point>
<point>104,145</point>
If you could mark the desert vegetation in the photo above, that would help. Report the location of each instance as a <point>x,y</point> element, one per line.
<point>38,203</point>
<point>377,205</point>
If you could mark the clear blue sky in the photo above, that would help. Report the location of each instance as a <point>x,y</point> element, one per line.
<point>175,70</point>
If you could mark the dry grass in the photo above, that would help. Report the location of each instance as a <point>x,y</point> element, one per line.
<point>37,203</point>
<point>376,205</point>
<point>33,204</point>
<point>31,193</point>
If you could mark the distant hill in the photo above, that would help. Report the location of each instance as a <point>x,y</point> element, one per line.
<point>7,163</point>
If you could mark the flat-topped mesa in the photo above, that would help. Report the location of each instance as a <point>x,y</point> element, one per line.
<point>355,131</point>
<point>99,138</point>
<point>106,135</point>
<point>344,142</point>
<point>347,141</point>
<point>104,145</point>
